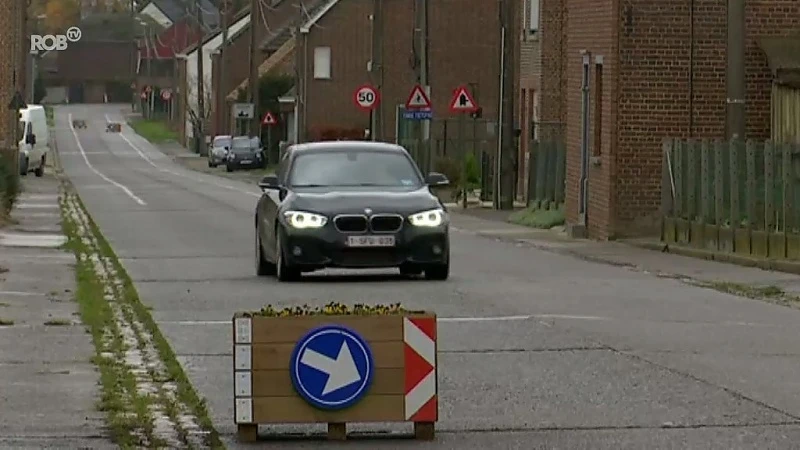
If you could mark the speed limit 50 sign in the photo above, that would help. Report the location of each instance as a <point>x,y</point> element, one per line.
<point>366,97</point>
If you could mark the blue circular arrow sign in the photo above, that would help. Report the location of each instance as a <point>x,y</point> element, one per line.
<point>331,367</point>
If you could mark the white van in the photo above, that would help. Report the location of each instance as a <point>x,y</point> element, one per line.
<point>35,142</point>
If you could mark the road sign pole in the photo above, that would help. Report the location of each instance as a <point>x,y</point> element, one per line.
<point>463,146</point>
<point>269,144</point>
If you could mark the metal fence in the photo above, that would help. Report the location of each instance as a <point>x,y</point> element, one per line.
<point>546,164</point>
<point>733,196</point>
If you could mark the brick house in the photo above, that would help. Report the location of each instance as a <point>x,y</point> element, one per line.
<point>335,48</point>
<point>13,42</point>
<point>274,30</point>
<point>652,70</point>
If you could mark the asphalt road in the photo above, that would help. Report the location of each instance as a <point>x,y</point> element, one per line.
<point>549,352</point>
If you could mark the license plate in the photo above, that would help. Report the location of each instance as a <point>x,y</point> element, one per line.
<point>246,161</point>
<point>370,241</point>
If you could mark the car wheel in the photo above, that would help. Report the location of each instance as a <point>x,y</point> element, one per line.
<point>40,170</point>
<point>210,164</point>
<point>438,271</point>
<point>408,270</point>
<point>283,270</point>
<point>263,267</point>
<point>24,169</point>
<point>228,167</point>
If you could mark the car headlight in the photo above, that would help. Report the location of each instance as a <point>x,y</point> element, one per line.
<point>300,219</point>
<point>432,218</point>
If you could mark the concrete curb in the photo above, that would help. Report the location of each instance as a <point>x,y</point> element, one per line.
<point>792,267</point>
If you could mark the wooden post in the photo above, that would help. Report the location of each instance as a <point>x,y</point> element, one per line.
<point>719,184</point>
<point>705,182</point>
<point>733,163</point>
<point>750,193</point>
<point>691,188</point>
<point>769,185</point>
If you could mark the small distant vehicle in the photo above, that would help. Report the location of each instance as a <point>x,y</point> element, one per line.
<point>218,153</point>
<point>245,152</point>
<point>78,123</point>
<point>351,204</point>
<point>35,143</point>
<point>113,127</point>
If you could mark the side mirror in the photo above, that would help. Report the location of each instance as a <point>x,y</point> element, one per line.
<point>436,179</point>
<point>269,182</point>
<point>30,139</point>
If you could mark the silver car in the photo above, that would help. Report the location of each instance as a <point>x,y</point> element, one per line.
<point>218,153</point>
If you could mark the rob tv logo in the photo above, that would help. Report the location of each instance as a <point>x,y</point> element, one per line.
<point>50,42</point>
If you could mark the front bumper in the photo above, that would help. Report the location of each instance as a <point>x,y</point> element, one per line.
<point>327,247</point>
<point>238,163</point>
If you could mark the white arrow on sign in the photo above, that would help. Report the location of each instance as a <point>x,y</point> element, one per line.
<point>341,371</point>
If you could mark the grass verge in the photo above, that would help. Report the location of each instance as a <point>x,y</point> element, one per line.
<point>769,293</point>
<point>538,218</point>
<point>155,131</point>
<point>99,317</point>
<point>6,322</point>
<point>58,323</point>
<point>48,111</point>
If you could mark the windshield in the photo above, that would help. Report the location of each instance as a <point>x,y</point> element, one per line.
<point>243,143</point>
<point>354,168</point>
<point>222,141</point>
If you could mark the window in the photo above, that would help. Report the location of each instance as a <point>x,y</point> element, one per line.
<point>322,63</point>
<point>354,168</point>
<point>533,16</point>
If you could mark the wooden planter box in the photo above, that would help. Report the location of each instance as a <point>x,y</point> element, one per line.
<point>270,358</point>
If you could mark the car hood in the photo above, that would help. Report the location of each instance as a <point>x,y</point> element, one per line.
<point>354,201</point>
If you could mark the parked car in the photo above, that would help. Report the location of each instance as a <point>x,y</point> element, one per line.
<point>245,153</point>
<point>218,153</point>
<point>35,143</point>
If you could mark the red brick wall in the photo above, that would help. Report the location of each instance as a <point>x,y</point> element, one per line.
<point>458,55</point>
<point>647,92</point>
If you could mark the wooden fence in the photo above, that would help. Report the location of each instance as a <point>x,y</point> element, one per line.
<point>547,170</point>
<point>732,196</point>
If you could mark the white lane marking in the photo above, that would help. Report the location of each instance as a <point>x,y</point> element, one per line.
<point>439,319</point>
<point>163,169</point>
<point>100,174</point>
<point>26,205</point>
<point>21,294</point>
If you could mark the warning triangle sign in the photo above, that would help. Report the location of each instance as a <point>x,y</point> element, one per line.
<point>462,101</point>
<point>418,99</point>
<point>269,119</point>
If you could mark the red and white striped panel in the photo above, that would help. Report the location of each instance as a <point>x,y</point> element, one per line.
<point>419,336</point>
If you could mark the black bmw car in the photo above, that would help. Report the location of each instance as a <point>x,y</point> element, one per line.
<point>351,204</point>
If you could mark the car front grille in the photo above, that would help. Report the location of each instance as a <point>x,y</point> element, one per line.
<point>386,223</point>
<point>350,223</point>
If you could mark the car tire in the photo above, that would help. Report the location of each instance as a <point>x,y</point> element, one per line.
<point>23,171</point>
<point>228,168</point>
<point>283,271</point>
<point>409,270</point>
<point>210,164</point>
<point>439,272</point>
<point>263,267</point>
<point>39,171</point>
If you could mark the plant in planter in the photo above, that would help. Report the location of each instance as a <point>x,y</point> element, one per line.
<point>335,364</point>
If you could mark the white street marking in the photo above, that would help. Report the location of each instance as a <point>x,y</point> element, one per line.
<point>100,174</point>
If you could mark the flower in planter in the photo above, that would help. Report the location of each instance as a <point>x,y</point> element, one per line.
<point>333,309</point>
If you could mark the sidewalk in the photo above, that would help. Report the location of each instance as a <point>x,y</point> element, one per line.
<point>50,386</point>
<point>492,224</point>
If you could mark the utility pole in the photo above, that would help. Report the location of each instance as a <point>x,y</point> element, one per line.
<point>201,103</point>
<point>423,127</point>
<point>300,75</point>
<point>252,83</point>
<point>223,66</point>
<point>507,156</point>
<point>377,66</point>
<point>735,76</point>
<point>133,49</point>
